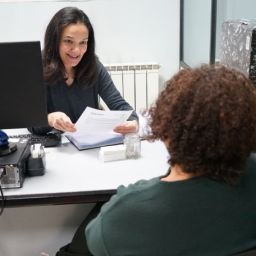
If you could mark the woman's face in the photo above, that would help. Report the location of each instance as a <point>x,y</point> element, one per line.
<point>73,44</point>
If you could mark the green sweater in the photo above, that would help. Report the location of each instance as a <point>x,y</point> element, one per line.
<point>193,217</point>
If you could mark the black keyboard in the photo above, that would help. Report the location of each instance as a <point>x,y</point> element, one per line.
<point>49,140</point>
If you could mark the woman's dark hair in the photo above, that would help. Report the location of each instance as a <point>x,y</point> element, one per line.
<point>54,70</point>
<point>207,118</point>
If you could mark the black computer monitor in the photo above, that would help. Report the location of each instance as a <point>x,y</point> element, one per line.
<point>22,91</point>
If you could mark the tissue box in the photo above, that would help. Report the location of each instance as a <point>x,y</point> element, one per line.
<point>238,46</point>
<point>112,153</point>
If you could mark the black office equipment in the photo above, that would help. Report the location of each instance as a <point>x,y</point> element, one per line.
<point>13,166</point>
<point>52,139</point>
<point>22,92</point>
<point>22,104</point>
<point>36,162</point>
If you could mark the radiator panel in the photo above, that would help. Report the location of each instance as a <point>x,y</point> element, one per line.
<point>137,83</point>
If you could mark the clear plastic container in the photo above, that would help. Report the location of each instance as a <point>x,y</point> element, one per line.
<point>133,145</point>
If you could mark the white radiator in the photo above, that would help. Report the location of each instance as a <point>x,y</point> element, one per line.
<point>138,83</point>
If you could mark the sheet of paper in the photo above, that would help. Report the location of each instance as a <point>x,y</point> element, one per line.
<point>95,125</point>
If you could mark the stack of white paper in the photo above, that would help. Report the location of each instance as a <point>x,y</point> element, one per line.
<point>95,128</point>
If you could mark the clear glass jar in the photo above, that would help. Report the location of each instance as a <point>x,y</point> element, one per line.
<point>132,144</point>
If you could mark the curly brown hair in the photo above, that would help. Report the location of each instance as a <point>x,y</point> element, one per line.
<point>207,118</point>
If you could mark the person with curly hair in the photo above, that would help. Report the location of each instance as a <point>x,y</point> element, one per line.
<point>206,203</point>
<point>206,117</point>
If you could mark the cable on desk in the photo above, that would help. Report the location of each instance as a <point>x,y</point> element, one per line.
<point>2,193</point>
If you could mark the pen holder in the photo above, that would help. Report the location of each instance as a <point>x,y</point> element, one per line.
<point>36,166</point>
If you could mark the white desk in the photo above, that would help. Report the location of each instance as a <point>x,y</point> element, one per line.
<point>74,176</point>
<point>72,181</point>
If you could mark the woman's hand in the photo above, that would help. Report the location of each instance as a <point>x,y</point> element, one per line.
<point>127,127</point>
<point>61,121</point>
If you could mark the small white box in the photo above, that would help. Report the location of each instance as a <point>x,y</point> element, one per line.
<point>112,153</point>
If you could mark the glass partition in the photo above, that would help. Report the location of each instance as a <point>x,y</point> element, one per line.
<point>196,28</point>
<point>201,22</point>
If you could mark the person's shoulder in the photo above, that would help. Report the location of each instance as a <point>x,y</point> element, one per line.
<point>99,63</point>
<point>100,66</point>
<point>138,186</point>
<point>126,194</point>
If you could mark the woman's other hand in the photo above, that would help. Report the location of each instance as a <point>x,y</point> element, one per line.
<point>127,127</point>
<point>61,121</point>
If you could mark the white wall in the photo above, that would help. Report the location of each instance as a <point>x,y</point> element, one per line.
<point>126,31</point>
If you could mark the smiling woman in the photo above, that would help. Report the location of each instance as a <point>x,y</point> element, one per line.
<point>74,76</point>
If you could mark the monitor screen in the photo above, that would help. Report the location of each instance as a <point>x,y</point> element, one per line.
<point>22,91</point>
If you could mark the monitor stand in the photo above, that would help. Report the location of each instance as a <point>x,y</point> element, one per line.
<point>6,147</point>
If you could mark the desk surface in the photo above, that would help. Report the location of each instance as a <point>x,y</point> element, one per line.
<point>74,176</point>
